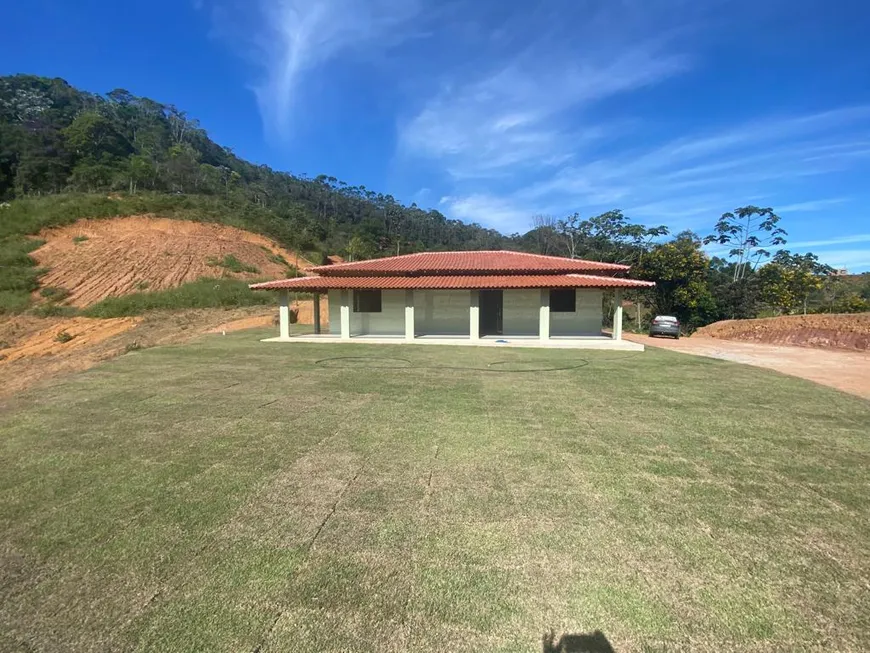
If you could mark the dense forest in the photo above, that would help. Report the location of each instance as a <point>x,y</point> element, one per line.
<point>67,153</point>
<point>55,138</point>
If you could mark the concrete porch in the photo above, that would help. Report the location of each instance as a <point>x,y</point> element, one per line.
<point>603,342</point>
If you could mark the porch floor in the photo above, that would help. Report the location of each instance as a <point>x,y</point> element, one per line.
<point>557,342</point>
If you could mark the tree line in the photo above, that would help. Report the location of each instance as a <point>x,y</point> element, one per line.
<point>55,138</point>
<point>58,139</point>
<point>749,280</point>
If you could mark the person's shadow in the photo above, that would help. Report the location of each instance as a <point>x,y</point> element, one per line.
<point>582,643</point>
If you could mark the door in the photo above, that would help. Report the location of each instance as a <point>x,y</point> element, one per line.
<point>491,303</point>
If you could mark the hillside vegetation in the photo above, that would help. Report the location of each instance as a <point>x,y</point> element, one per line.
<point>55,138</point>
<point>67,154</point>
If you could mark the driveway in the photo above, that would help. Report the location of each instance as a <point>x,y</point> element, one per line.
<point>844,370</point>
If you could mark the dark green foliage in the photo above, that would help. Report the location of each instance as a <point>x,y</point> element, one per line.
<point>231,263</point>
<point>54,293</point>
<point>12,302</point>
<point>79,239</point>
<point>204,293</point>
<point>51,309</point>
<point>19,275</point>
<point>315,256</point>
<point>55,138</point>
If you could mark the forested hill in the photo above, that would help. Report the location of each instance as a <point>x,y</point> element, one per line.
<point>55,138</point>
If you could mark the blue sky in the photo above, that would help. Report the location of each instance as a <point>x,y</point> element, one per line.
<point>493,111</point>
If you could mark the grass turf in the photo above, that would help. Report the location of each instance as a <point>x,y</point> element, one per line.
<point>236,495</point>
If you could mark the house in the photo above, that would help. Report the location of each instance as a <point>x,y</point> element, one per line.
<point>476,297</point>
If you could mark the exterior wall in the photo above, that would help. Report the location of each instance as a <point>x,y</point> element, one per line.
<point>585,321</point>
<point>445,312</point>
<point>442,312</point>
<point>332,323</point>
<point>521,312</point>
<point>389,322</point>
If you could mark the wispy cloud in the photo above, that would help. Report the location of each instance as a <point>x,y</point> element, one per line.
<point>689,181</point>
<point>289,39</point>
<point>510,118</point>
<point>500,213</point>
<point>854,260</point>
<point>842,240</point>
<point>812,205</point>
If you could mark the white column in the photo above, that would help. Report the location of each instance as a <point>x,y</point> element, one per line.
<point>345,315</point>
<point>409,315</point>
<point>474,315</point>
<point>316,312</point>
<point>617,315</point>
<point>284,314</point>
<point>544,316</point>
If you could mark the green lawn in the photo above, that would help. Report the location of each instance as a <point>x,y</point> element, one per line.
<point>232,495</point>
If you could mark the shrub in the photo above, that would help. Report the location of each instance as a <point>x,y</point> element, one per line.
<point>203,293</point>
<point>55,310</point>
<point>54,293</point>
<point>13,301</point>
<point>64,337</point>
<point>231,263</point>
<point>79,239</point>
<point>315,256</point>
<point>20,276</point>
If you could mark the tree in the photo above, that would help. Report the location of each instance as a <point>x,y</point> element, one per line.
<point>789,278</point>
<point>140,171</point>
<point>607,237</point>
<point>750,230</point>
<point>735,300</point>
<point>546,234</point>
<point>679,269</point>
<point>358,249</point>
<point>183,166</point>
<point>93,136</point>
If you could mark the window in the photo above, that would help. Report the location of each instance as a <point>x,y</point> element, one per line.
<point>366,301</point>
<point>563,300</point>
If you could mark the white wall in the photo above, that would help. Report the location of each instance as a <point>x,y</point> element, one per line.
<point>389,322</point>
<point>442,312</point>
<point>446,312</point>
<point>585,321</point>
<point>521,312</point>
<point>333,325</point>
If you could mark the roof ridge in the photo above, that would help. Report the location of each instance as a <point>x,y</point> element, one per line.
<point>550,257</point>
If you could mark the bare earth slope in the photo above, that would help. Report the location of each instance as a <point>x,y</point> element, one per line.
<point>31,354</point>
<point>95,259</point>
<point>848,371</point>
<point>846,331</point>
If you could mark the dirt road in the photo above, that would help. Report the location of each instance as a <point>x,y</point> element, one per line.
<point>844,370</point>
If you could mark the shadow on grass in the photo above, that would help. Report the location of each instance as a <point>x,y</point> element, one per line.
<point>582,643</point>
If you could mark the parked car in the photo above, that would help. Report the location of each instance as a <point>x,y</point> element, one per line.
<point>665,325</point>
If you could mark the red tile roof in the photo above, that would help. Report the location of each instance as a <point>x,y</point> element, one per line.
<point>492,262</point>
<point>447,282</point>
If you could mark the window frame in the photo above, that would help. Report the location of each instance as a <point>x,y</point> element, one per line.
<point>556,307</point>
<point>364,301</point>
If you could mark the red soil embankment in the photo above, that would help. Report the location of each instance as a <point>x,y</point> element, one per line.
<point>95,259</point>
<point>838,331</point>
